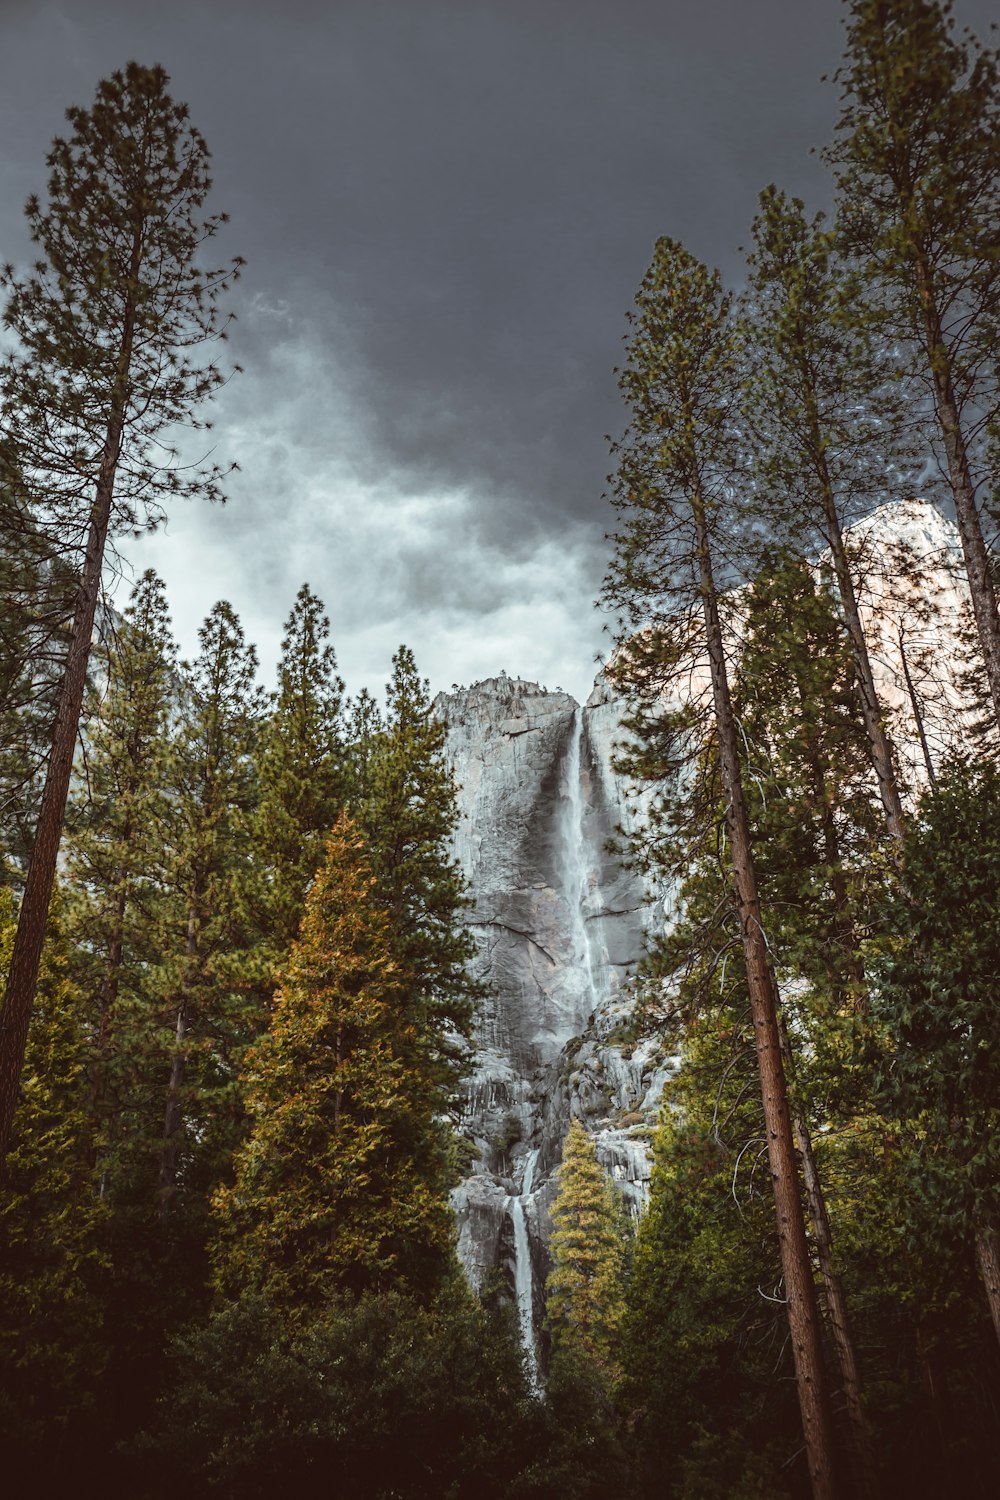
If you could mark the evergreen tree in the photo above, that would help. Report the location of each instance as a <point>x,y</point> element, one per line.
<point>586,1288</point>
<point>935,996</point>
<point>51,1259</point>
<point>104,327</point>
<point>116,861</point>
<point>918,158</point>
<point>342,1184</point>
<point>815,828</point>
<point>817,837</point>
<point>674,492</point>
<point>405,806</point>
<point>36,605</point>
<point>213,1005</point>
<point>373,1397</point>
<point>703,1341</point>
<point>302,780</point>
<point>823,415</point>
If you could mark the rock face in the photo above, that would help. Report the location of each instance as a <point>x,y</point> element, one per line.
<point>559,922</point>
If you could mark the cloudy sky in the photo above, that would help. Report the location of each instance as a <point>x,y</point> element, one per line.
<point>446,207</point>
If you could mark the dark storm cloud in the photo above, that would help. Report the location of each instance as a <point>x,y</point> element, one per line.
<point>446,208</point>
<point>478,185</point>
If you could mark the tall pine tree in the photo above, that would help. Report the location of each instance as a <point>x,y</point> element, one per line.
<point>917,154</point>
<point>105,327</point>
<point>674,495</point>
<point>405,805</point>
<point>302,781</point>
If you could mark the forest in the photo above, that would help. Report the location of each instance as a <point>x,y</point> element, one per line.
<point>241,997</point>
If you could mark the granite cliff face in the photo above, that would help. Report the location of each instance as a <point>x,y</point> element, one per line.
<point>559,922</point>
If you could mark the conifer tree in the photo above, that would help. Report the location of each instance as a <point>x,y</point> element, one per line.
<point>935,995</point>
<point>917,153</point>
<point>104,327</point>
<point>51,1216</point>
<point>814,829</point>
<point>342,1183</point>
<point>674,493</point>
<point>814,822</point>
<point>302,781</point>
<point>824,416</point>
<point>701,1346</point>
<point>213,1005</point>
<point>36,605</point>
<point>116,861</point>
<point>405,806</point>
<point>586,1287</point>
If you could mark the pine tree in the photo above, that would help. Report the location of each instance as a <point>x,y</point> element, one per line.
<point>405,806</point>
<point>586,1287</point>
<point>674,492</point>
<point>51,1216</point>
<point>825,420</point>
<point>36,606</point>
<point>815,827</point>
<point>213,1005</point>
<point>302,779</point>
<point>935,997</point>
<point>918,158</point>
<point>816,834</point>
<point>104,326</point>
<point>701,1345</point>
<point>335,1188</point>
<point>116,864</point>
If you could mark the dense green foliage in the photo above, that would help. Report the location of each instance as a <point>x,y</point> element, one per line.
<point>589,1249</point>
<point>935,999</point>
<point>342,1182</point>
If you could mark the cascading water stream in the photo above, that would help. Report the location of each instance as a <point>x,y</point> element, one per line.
<point>575,871</point>
<point>523,1279</point>
<point>574,876</point>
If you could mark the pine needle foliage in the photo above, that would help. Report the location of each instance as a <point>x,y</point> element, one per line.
<point>52,1348</point>
<point>586,1288</point>
<point>917,154</point>
<point>404,803</point>
<point>342,1183</point>
<point>302,781</point>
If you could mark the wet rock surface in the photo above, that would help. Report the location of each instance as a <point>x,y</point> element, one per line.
<point>559,924</point>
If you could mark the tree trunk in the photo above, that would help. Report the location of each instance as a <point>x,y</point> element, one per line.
<point>22,979</point>
<point>988,1261</point>
<point>800,1291</point>
<point>862,1454</point>
<point>871,711</point>
<point>918,717</point>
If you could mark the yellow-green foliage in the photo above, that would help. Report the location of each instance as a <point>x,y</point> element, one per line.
<point>340,1184</point>
<point>586,1286</point>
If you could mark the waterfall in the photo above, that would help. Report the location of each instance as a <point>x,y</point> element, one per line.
<point>523,1278</point>
<point>584,976</point>
<point>575,868</point>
